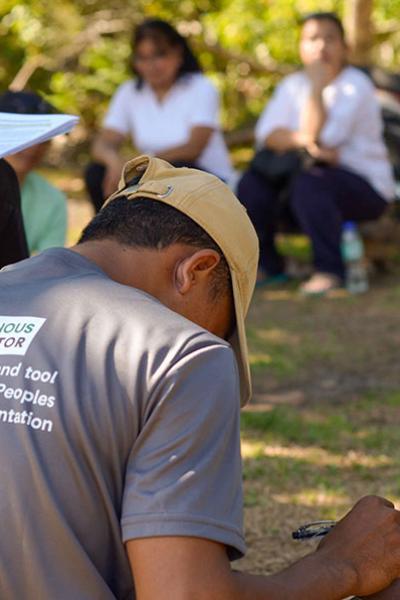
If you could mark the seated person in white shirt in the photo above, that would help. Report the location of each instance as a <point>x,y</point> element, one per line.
<point>329,109</point>
<point>170,109</point>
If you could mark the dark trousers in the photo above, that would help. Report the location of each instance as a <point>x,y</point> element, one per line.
<point>13,246</point>
<point>321,199</point>
<point>94,178</point>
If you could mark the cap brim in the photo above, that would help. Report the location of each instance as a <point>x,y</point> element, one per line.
<point>238,342</point>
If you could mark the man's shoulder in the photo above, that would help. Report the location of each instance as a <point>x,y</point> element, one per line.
<point>161,325</point>
<point>137,317</point>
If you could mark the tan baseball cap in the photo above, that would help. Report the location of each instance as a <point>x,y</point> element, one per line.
<point>211,204</point>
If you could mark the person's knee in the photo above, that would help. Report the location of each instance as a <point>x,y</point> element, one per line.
<point>248,184</point>
<point>255,193</point>
<point>310,191</point>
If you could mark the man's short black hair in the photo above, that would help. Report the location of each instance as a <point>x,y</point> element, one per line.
<point>325,16</point>
<point>144,223</point>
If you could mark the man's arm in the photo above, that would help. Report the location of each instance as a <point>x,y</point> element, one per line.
<point>192,149</point>
<point>105,150</point>
<point>282,140</point>
<point>312,118</point>
<point>313,115</point>
<point>177,568</point>
<point>360,556</point>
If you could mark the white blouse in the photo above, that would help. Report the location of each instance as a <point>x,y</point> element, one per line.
<point>155,126</point>
<point>353,125</point>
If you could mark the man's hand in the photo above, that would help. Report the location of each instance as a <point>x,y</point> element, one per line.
<point>368,541</point>
<point>391,593</point>
<point>282,140</point>
<point>320,74</point>
<point>323,154</point>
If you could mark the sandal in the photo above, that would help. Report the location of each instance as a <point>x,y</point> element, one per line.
<point>320,284</point>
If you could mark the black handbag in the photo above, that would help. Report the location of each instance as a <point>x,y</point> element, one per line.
<point>279,167</point>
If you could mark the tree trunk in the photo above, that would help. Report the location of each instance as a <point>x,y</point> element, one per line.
<point>359,30</point>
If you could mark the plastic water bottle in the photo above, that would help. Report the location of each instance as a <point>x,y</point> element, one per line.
<point>353,256</point>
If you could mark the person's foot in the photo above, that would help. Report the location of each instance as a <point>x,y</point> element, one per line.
<point>263,279</point>
<point>320,284</point>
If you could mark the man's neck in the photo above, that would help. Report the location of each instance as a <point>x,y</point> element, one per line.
<point>108,255</point>
<point>147,269</point>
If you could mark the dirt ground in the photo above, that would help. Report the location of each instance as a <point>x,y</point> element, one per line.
<point>335,347</point>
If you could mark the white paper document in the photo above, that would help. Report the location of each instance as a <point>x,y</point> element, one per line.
<point>21,131</point>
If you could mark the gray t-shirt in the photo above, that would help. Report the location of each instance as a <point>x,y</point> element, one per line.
<point>119,419</point>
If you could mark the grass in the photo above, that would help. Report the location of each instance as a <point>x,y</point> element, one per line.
<point>304,464</point>
<point>324,426</point>
<point>296,246</point>
<point>365,425</point>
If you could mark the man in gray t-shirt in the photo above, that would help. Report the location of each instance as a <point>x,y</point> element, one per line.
<point>119,412</point>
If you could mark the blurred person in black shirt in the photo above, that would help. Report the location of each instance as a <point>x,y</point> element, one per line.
<point>13,246</point>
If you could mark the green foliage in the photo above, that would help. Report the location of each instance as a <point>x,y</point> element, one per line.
<point>77,53</point>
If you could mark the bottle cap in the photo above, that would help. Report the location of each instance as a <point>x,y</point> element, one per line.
<point>349,226</point>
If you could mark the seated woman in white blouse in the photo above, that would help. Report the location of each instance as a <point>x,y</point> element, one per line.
<point>328,108</point>
<point>170,110</point>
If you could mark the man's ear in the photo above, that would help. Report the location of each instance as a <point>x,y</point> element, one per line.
<point>195,270</point>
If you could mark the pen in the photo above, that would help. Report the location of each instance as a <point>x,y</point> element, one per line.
<point>311,530</point>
